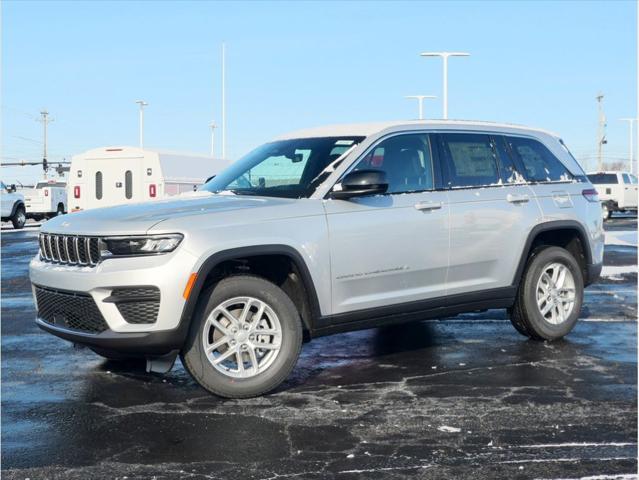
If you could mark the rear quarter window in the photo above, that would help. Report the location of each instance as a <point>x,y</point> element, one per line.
<point>540,165</point>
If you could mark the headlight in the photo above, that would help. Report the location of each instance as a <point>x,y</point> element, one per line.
<point>138,245</point>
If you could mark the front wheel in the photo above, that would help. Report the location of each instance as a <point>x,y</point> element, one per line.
<point>19,218</point>
<point>550,295</point>
<point>606,212</point>
<point>245,338</point>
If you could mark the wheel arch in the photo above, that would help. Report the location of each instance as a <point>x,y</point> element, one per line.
<point>206,276</point>
<point>560,233</point>
<point>16,204</point>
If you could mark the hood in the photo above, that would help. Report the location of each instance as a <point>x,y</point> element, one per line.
<point>139,218</point>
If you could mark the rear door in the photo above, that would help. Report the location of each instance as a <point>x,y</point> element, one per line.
<point>392,248</point>
<point>492,210</point>
<point>113,182</point>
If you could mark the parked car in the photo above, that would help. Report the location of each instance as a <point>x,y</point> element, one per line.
<point>13,209</point>
<point>617,191</point>
<point>108,176</point>
<point>46,200</point>
<point>324,231</point>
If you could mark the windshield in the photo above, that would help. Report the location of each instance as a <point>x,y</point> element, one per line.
<point>285,168</point>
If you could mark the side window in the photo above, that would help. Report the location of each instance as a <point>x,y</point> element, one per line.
<point>98,185</point>
<point>633,179</point>
<point>407,161</point>
<point>471,160</point>
<point>128,184</point>
<point>626,179</point>
<point>539,163</point>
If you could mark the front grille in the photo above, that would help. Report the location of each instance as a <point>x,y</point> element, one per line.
<point>70,249</point>
<point>71,310</point>
<point>137,304</point>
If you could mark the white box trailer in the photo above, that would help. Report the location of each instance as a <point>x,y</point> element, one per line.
<point>108,176</point>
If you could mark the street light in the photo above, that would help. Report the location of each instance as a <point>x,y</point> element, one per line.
<point>142,104</point>
<point>444,56</point>
<point>420,100</point>
<point>631,154</point>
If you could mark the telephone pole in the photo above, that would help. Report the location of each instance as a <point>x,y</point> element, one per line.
<point>420,100</point>
<point>631,152</point>
<point>223,100</point>
<point>142,104</point>
<point>601,133</point>
<point>45,119</point>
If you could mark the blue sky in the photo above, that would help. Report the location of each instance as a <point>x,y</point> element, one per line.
<point>293,65</point>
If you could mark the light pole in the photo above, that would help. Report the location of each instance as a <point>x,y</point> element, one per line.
<point>420,101</point>
<point>601,131</point>
<point>45,122</point>
<point>223,100</point>
<point>445,56</point>
<point>631,154</point>
<point>142,104</point>
<point>212,125</point>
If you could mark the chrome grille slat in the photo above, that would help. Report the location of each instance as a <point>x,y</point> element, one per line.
<point>69,249</point>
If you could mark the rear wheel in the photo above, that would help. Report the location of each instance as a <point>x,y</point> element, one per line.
<point>606,212</point>
<point>550,295</point>
<point>19,217</point>
<point>245,338</point>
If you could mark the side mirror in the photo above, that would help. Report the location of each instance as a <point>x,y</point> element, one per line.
<point>12,188</point>
<point>360,183</point>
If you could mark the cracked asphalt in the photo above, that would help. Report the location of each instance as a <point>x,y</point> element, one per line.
<point>457,398</point>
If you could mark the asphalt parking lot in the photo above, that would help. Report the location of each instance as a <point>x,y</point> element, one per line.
<point>457,398</point>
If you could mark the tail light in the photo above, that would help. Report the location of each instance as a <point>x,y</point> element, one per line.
<point>152,190</point>
<point>76,191</point>
<point>591,195</point>
<point>46,192</point>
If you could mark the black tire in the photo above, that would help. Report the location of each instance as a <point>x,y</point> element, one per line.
<point>60,210</point>
<point>19,217</point>
<point>196,361</point>
<point>525,314</point>
<point>606,212</point>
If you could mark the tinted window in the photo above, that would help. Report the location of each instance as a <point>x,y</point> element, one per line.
<point>633,179</point>
<point>128,184</point>
<point>626,179</point>
<point>602,178</point>
<point>471,160</point>
<point>98,185</point>
<point>539,163</point>
<point>407,161</point>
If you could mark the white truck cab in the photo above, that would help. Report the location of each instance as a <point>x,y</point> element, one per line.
<point>617,191</point>
<point>46,200</point>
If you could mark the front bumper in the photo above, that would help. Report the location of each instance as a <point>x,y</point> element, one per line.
<point>135,344</point>
<point>168,273</point>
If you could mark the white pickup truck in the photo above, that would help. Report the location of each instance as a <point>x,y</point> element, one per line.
<point>46,200</point>
<point>617,191</point>
<point>12,206</point>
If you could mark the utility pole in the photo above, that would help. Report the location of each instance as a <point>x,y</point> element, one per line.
<point>631,151</point>
<point>142,104</point>
<point>420,101</point>
<point>223,100</point>
<point>45,119</point>
<point>212,125</point>
<point>601,133</point>
<point>445,56</point>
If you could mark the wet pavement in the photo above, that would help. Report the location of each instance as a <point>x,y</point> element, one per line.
<point>456,398</point>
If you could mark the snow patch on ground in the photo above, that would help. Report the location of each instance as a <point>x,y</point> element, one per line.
<point>611,270</point>
<point>622,237</point>
<point>446,428</point>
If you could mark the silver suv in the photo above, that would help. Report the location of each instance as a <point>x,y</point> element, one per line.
<point>324,231</point>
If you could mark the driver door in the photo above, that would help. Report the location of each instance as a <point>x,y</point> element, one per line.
<point>392,248</point>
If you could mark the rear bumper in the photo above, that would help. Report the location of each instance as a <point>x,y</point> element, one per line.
<point>593,272</point>
<point>141,344</point>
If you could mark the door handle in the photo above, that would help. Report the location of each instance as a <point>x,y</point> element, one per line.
<point>517,198</point>
<point>427,206</point>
